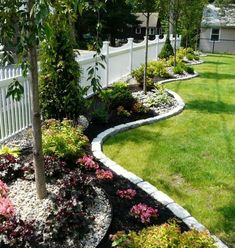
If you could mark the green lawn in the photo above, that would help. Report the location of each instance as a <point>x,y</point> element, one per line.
<point>191,157</point>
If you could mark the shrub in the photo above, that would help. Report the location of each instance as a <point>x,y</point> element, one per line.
<point>63,140</point>
<point>118,95</point>
<point>122,111</point>
<point>171,61</point>
<point>60,94</point>
<point>167,49</point>
<point>143,212</point>
<point>178,69</point>
<point>165,235</point>
<point>155,69</point>
<point>100,115</point>
<point>189,69</point>
<point>190,56</point>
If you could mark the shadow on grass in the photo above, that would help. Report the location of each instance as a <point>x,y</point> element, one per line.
<point>215,75</point>
<point>215,62</point>
<point>211,106</point>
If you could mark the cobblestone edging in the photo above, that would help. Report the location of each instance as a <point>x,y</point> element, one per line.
<point>96,147</point>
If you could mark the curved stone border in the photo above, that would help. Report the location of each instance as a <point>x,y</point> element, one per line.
<point>193,62</point>
<point>176,209</point>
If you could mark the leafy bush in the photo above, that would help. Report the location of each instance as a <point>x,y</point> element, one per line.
<point>157,99</point>
<point>171,61</point>
<point>190,56</point>
<point>100,114</point>
<point>63,140</point>
<point>118,95</point>
<point>165,235</point>
<point>154,69</point>
<point>167,49</point>
<point>189,69</point>
<point>178,69</point>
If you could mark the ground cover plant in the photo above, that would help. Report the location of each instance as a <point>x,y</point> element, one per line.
<point>191,156</point>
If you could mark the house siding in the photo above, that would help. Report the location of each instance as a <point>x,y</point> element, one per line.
<point>226,43</point>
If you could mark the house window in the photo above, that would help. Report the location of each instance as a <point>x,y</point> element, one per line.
<point>138,30</point>
<point>151,31</point>
<point>215,34</point>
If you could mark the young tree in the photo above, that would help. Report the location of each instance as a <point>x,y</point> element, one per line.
<point>146,7</point>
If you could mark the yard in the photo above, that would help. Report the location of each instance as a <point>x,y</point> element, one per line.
<point>191,157</point>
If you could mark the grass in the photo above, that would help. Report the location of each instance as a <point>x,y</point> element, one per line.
<point>191,157</point>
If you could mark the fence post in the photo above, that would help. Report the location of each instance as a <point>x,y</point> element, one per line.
<point>130,42</point>
<point>157,45</point>
<point>105,49</point>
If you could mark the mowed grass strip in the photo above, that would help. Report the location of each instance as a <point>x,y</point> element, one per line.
<point>191,157</point>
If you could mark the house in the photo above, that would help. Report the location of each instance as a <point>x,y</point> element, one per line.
<point>139,31</point>
<point>218,29</point>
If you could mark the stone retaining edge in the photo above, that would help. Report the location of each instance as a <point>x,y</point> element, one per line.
<point>176,209</point>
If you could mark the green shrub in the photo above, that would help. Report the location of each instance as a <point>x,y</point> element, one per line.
<point>189,50</point>
<point>63,140</point>
<point>60,94</point>
<point>154,69</point>
<point>118,95</point>
<point>190,56</point>
<point>196,57</point>
<point>5,150</point>
<point>194,239</point>
<point>163,236</point>
<point>178,69</point>
<point>167,49</point>
<point>189,69</point>
<point>171,61</point>
<point>100,115</point>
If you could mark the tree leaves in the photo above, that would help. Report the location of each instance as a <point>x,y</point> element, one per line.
<point>15,90</point>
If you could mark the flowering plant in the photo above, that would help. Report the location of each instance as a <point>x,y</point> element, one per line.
<point>3,189</point>
<point>128,194</point>
<point>106,175</point>
<point>6,207</point>
<point>87,162</point>
<point>143,212</point>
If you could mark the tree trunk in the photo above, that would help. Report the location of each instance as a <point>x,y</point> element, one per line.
<point>175,43</point>
<point>146,54</point>
<point>38,159</point>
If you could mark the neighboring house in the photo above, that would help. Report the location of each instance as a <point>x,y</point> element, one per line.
<point>139,31</point>
<point>218,29</point>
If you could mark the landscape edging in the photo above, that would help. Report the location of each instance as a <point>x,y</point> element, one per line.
<point>176,209</point>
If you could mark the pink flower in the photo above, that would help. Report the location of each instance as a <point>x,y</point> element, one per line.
<point>144,212</point>
<point>128,194</point>
<point>6,208</point>
<point>3,189</point>
<point>88,162</point>
<point>106,175</point>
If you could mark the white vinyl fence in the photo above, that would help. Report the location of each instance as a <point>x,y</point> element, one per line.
<point>119,63</point>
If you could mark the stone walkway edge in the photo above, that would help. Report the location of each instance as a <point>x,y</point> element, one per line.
<point>176,209</point>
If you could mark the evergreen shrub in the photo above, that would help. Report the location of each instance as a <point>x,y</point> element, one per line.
<point>167,50</point>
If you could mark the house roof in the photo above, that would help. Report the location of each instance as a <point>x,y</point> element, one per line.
<point>153,19</point>
<point>218,17</point>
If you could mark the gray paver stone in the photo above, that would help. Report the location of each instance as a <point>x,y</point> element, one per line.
<point>133,178</point>
<point>192,223</point>
<point>162,197</point>
<point>178,211</point>
<point>147,187</point>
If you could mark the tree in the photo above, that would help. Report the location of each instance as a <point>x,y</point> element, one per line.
<point>22,27</point>
<point>146,7</point>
